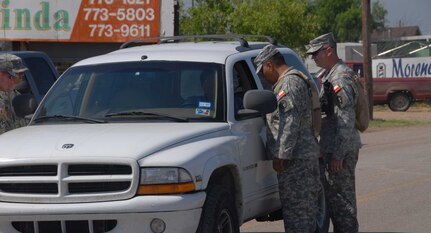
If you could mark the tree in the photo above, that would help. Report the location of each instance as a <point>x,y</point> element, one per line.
<point>288,21</point>
<point>343,17</point>
<point>338,16</point>
<point>292,22</point>
<point>207,17</point>
<point>347,23</point>
<point>378,14</point>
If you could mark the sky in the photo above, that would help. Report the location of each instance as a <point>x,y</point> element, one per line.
<point>406,12</point>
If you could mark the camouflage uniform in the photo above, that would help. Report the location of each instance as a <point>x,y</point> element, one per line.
<point>6,122</point>
<point>8,119</point>
<point>291,138</point>
<point>339,139</point>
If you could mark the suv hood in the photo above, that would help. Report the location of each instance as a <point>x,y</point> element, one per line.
<point>108,140</point>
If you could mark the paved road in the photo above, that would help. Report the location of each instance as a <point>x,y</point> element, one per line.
<point>393,183</point>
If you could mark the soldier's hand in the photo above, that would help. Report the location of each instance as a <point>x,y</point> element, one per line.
<point>278,164</point>
<point>336,165</point>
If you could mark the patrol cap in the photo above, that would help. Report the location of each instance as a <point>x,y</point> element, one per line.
<point>18,67</point>
<point>267,53</point>
<point>7,66</point>
<point>318,42</point>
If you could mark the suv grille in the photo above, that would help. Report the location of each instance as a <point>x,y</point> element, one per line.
<point>99,169</point>
<point>31,170</point>
<point>96,226</point>
<point>29,188</point>
<point>97,187</point>
<point>57,181</point>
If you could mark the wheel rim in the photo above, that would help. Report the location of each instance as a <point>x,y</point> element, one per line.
<point>400,102</point>
<point>224,223</point>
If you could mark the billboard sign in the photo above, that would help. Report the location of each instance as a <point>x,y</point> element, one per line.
<point>79,20</point>
<point>409,67</point>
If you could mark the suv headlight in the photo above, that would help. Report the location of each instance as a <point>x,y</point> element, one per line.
<point>165,180</point>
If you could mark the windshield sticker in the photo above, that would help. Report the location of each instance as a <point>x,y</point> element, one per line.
<point>202,112</point>
<point>204,104</point>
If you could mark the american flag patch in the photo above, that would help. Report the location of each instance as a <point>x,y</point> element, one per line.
<point>337,88</point>
<point>280,95</point>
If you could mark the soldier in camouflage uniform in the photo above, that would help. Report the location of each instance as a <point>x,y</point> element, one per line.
<point>339,139</point>
<point>6,116</point>
<point>8,119</point>
<point>6,82</point>
<point>291,142</point>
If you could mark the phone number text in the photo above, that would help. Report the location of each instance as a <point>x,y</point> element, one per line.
<point>122,14</point>
<point>125,30</point>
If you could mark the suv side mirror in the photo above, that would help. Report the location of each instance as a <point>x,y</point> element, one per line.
<point>263,101</point>
<point>24,105</point>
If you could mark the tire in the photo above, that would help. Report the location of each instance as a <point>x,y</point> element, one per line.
<point>218,214</point>
<point>322,217</point>
<point>399,102</point>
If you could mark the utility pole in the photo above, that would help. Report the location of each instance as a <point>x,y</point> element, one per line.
<point>366,45</point>
<point>176,18</point>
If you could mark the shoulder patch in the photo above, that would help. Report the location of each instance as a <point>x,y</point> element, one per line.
<point>280,95</point>
<point>337,88</point>
<point>284,106</point>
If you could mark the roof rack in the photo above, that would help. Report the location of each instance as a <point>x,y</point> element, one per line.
<point>271,40</point>
<point>170,39</point>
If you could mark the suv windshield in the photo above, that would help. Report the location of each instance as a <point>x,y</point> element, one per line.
<point>136,91</point>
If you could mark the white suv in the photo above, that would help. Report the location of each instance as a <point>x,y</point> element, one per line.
<point>153,138</point>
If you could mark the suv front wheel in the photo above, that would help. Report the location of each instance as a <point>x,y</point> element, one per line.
<point>218,214</point>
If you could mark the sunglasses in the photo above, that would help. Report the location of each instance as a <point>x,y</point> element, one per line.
<point>318,51</point>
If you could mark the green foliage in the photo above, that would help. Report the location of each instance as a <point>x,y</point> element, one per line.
<point>344,18</point>
<point>378,13</point>
<point>292,22</point>
<point>289,21</point>
<point>348,24</point>
<point>286,20</point>
<point>207,17</point>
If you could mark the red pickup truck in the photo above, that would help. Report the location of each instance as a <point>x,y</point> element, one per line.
<point>398,81</point>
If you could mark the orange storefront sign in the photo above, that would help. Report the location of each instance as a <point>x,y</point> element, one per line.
<point>80,21</point>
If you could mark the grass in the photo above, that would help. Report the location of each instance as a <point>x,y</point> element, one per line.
<point>382,123</point>
<point>402,119</point>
